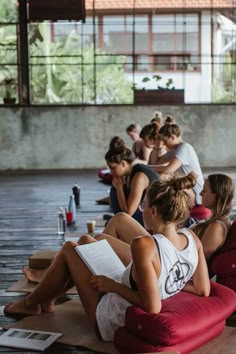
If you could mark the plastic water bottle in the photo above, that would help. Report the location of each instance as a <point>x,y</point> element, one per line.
<point>76,193</point>
<point>72,207</point>
<point>61,222</point>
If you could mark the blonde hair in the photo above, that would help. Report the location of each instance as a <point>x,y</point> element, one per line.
<point>170,197</point>
<point>157,118</point>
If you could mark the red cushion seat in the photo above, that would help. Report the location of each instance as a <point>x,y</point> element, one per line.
<point>200,212</point>
<point>105,176</point>
<point>223,263</point>
<point>185,322</point>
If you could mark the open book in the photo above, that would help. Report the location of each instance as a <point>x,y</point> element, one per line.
<point>28,339</point>
<point>101,259</point>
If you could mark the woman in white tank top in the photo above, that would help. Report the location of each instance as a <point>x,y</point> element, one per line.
<point>161,266</point>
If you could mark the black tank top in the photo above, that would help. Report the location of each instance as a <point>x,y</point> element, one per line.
<point>148,171</point>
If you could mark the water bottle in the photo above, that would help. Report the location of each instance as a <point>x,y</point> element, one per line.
<point>76,193</point>
<point>61,223</point>
<point>72,207</point>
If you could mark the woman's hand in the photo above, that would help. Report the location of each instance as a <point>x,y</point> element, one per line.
<point>102,283</point>
<point>118,182</point>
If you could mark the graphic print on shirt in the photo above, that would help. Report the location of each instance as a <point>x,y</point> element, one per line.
<point>176,278</point>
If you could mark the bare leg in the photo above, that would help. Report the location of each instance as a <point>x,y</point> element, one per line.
<point>124,227</point>
<point>66,265</point>
<point>121,248</point>
<point>33,275</point>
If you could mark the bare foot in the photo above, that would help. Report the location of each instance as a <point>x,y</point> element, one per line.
<point>48,307</point>
<point>33,275</point>
<point>21,308</point>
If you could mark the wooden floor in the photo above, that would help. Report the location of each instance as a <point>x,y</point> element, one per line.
<point>28,222</point>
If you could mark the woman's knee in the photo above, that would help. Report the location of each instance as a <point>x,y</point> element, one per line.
<point>121,218</point>
<point>100,237</point>
<point>86,239</point>
<point>69,245</point>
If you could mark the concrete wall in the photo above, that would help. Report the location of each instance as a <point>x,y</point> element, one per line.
<point>78,137</point>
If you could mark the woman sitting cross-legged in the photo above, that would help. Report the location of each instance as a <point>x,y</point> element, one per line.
<point>131,179</point>
<point>157,267</point>
<point>217,195</point>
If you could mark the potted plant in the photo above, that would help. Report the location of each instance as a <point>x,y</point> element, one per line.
<point>160,95</point>
<point>9,91</point>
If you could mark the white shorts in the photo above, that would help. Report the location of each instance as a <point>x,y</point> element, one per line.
<point>110,315</point>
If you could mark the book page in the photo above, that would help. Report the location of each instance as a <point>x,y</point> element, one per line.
<point>101,259</point>
<point>28,339</point>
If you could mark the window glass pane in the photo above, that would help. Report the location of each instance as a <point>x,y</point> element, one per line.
<point>129,63</point>
<point>141,42</point>
<point>142,63</point>
<point>163,43</point>
<point>113,24</point>
<point>189,63</point>
<point>187,23</point>
<point>164,63</point>
<point>163,24</point>
<point>186,42</point>
<point>141,33</point>
<point>8,11</point>
<point>113,34</point>
<point>8,61</point>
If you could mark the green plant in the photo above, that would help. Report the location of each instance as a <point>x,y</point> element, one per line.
<point>169,85</point>
<point>72,74</point>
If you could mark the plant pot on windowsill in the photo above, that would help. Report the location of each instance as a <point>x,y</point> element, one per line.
<point>9,100</point>
<point>167,95</point>
<point>159,96</point>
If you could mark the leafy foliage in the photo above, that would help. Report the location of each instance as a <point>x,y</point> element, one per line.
<point>63,73</point>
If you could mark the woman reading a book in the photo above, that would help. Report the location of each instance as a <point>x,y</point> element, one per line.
<point>158,266</point>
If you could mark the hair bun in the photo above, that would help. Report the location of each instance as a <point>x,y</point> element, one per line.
<point>184,182</point>
<point>117,145</point>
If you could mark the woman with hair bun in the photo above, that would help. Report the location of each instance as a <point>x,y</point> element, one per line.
<point>139,149</point>
<point>184,158</point>
<point>150,136</point>
<point>130,180</point>
<point>157,267</point>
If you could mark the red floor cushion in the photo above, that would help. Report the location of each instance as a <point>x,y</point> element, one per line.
<point>105,176</point>
<point>200,213</point>
<point>223,263</point>
<point>185,322</point>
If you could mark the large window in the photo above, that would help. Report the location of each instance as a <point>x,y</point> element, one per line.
<point>8,52</point>
<point>114,53</point>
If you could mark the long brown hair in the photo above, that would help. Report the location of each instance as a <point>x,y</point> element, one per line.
<point>223,187</point>
<point>170,197</point>
<point>119,152</point>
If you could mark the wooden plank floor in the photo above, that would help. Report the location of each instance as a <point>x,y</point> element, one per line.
<point>28,222</point>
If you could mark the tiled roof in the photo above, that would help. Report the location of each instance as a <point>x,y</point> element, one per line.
<point>159,4</point>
